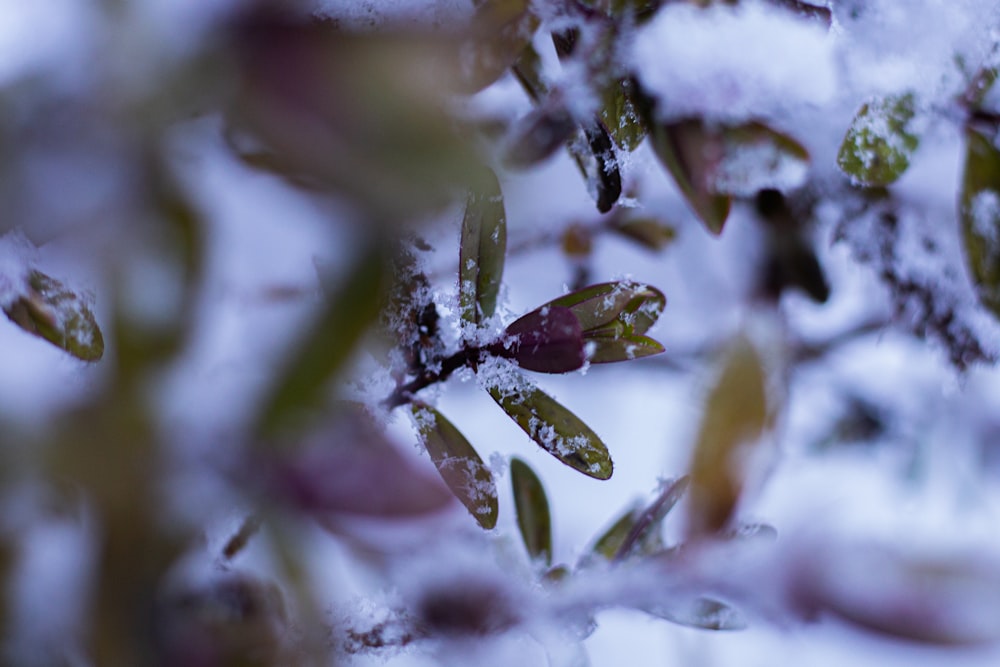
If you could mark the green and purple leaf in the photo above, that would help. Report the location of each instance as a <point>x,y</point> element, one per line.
<point>52,311</point>
<point>711,163</point>
<point>547,340</point>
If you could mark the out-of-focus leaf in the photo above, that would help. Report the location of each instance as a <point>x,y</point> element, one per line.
<point>621,117</point>
<point>644,534</point>
<point>702,612</point>
<point>362,114</point>
<point>611,540</point>
<point>546,340</point>
<point>681,148</point>
<point>877,147</point>
<point>483,249</point>
<point>331,340</point>
<point>608,180</point>
<point>639,11</point>
<point>554,428</point>
<point>790,260</point>
<point>647,232</point>
<point>460,465</point>
<point>348,466</point>
<point>735,417</point>
<point>934,597</point>
<point>533,518</point>
<point>501,30</point>
<point>537,136</point>
<point>50,310</point>
<point>979,210</point>
<point>712,162</point>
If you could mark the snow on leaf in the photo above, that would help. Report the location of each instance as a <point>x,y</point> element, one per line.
<point>533,517</point>
<point>49,309</point>
<point>461,467</point>
<point>554,428</point>
<point>546,340</point>
<point>483,246</point>
<point>878,145</point>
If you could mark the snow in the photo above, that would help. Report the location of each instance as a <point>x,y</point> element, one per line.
<point>919,489</point>
<point>734,62</point>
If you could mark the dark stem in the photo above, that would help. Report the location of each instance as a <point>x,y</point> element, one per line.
<point>404,393</point>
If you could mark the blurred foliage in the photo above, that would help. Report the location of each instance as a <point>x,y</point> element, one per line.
<point>376,124</point>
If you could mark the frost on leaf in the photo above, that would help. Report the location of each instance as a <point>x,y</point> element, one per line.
<point>533,518</point>
<point>878,145</point>
<point>461,467</point>
<point>979,210</point>
<point>49,309</point>
<point>483,247</point>
<point>546,340</point>
<point>554,428</point>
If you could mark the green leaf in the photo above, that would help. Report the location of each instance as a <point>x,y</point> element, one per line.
<point>460,465</point>
<point>483,247</point>
<point>615,308</point>
<point>609,349</point>
<point>713,162</point>
<point>877,147</point>
<point>644,534</point>
<point>621,117</point>
<point>554,428</point>
<point>611,540</point>
<point>979,210</point>
<point>736,416</point>
<point>50,310</point>
<point>647,232</point>
<point>680,148</point>
<point>327,345</point>
<point>533,518</point>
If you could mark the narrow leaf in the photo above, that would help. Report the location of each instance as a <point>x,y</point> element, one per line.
<point>460,465</point>
<point>644,535</point>
<point>647,232</point>
<point>712,162</point>
<point>681,150</point>
<point>330,342</point>
<point>877,147</point>
<point>483,246</point>
<point>736,415</point>
<point>533,518</point>
<point>50,310</point>
<point>609,349</point>
<point>606,308</point>
<point>621,117</point>
<point>537,136</point>
<point>611,540</point>
<point>979,210</point>
<point>555,429</point>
